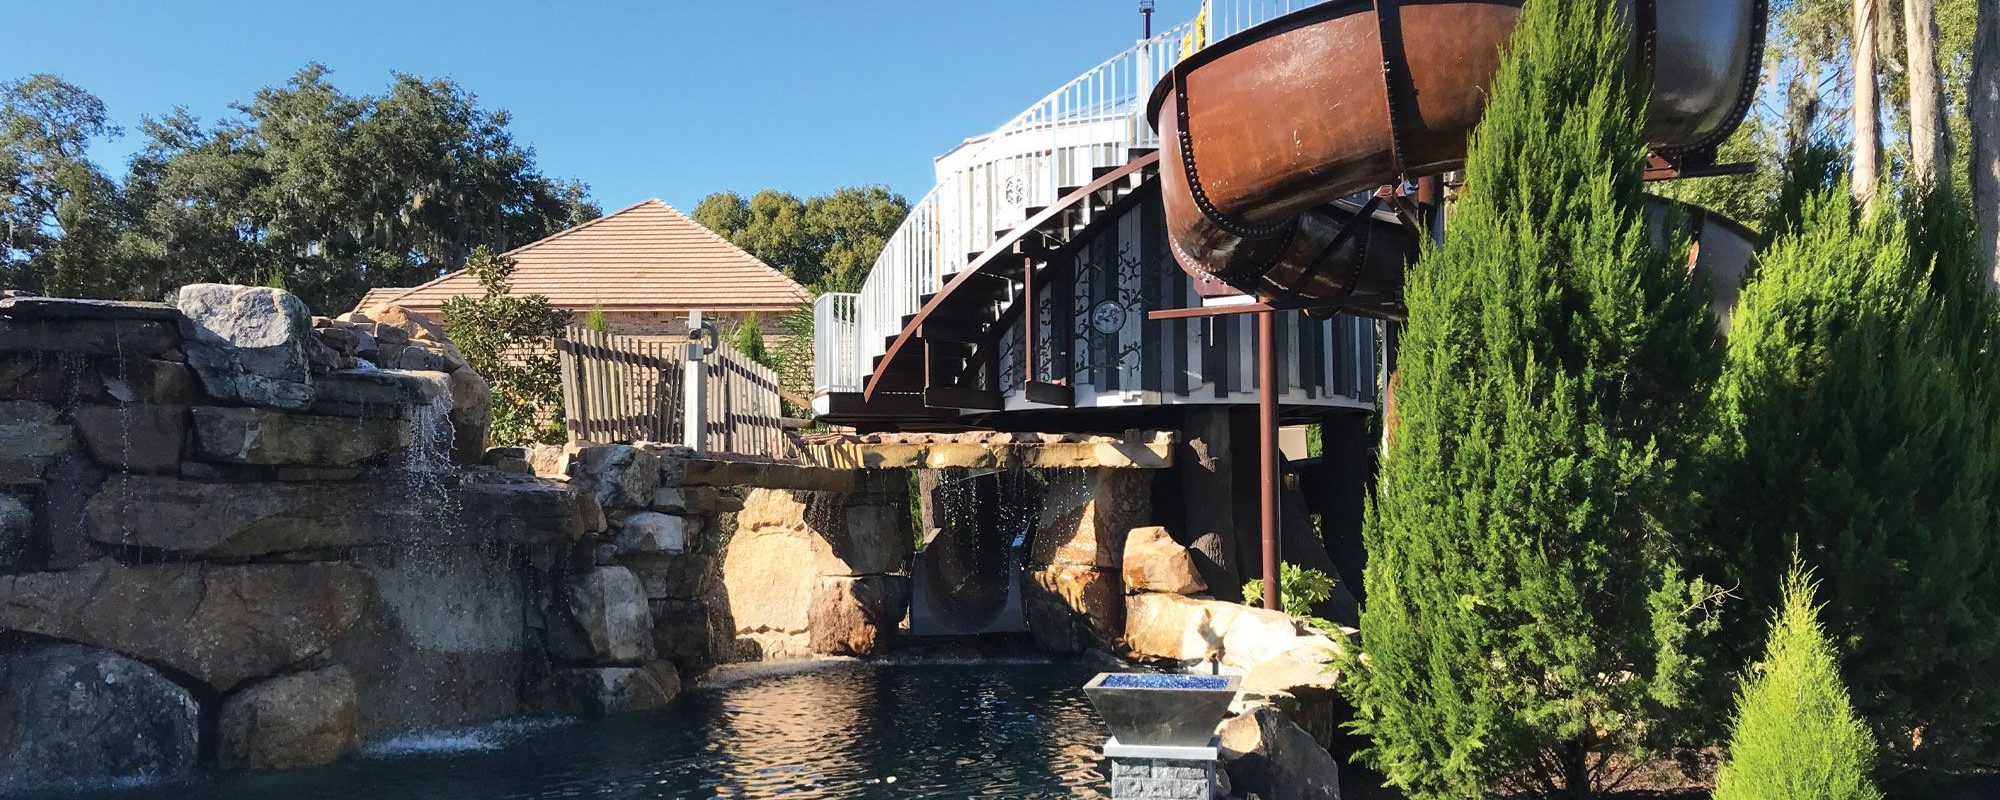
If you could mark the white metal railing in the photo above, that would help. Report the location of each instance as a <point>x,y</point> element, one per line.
<point>987,183</point>
<point>834,369</point>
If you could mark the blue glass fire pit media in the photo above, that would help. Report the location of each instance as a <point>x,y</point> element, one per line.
<point>1159,681</point>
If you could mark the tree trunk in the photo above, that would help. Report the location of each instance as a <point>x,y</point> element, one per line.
<point>1985,149</point>
<point>1867,116</point>
<point>1930,143</point>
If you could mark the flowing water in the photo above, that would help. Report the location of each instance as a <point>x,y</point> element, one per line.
<point>1007,729</point>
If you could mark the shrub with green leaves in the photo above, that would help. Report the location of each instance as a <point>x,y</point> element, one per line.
<point>1299,589</point>
<point>1854,426</point>
<point>1528,627</point>
<point>1795,735</point>
<point>510,341</point>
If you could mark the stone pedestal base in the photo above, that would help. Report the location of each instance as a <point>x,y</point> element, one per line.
<point>1140,772</point>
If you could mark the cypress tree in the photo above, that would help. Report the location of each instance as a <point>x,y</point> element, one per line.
<point>1796,735</point>
<point>1852,413</point>
<point>1528,624</point>
<point>1852,417</point>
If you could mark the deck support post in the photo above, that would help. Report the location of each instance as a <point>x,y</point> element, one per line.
<point>1267,452</point>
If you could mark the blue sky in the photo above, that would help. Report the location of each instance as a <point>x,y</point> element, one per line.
<point>669,99</point>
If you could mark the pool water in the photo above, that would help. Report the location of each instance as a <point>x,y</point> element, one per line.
<point>1018,729</point>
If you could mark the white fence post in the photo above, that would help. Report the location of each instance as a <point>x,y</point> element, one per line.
<point>694,387</point>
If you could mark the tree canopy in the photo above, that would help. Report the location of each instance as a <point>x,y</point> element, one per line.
<point>826,242</point>
<point>332,193</point>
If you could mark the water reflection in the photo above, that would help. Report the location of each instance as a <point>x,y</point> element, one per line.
<point>842,730</point>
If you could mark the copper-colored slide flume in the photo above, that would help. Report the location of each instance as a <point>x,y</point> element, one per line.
<point>1265,135</point>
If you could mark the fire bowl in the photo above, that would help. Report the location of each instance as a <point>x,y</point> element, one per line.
<point>1161,709</point>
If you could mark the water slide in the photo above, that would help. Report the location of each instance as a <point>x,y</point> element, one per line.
<point>1274,141</point>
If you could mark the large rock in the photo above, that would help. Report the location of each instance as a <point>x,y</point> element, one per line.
<point>90,337</point>
<point>377,394</point>
<point>682,576</point>
<point>238,519</point>
<point>248,344</point>
<point>67,379</point>
<point>134,437</point>
<point>654,532</point>
<point>31,434</point>
<point>1086,514</point>
<point>260,436</point>
<point>864,534</point>
<point>595,692</point>
<point>694,500</point>
<point>471,415</point>
<point>300,720</point>
<point>682,633</point>
<point>605,619</point>
<point>1170,627</point>
<point>17,533</point>
<point>1267,754</point>
<point>622,475</point>
<point>69,485</point>
<point>75,713</point>
<point>1154,562</point>
<point>1073,608</point>
<point>218,624</point>
<point>768,579</point>
<point>853,616</point>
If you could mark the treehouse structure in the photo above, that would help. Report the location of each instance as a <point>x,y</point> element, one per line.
<point>1088,265</point>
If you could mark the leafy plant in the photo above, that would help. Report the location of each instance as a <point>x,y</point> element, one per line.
<point>595,320</point>
<point>510,341</point>
<point>1795,735</point>
<point>1529,630</point>
<point>1299,589</point>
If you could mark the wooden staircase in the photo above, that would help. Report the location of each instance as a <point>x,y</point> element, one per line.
<point>947,353</point>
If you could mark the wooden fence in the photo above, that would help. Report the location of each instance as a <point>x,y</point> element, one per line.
<point>626,389</point>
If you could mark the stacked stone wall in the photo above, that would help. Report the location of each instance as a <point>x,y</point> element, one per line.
<point>235,533</point>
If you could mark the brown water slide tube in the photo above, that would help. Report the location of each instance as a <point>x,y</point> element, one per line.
<point>1271,138</point>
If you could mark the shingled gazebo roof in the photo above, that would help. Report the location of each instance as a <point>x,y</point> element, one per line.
<point>645,257</point>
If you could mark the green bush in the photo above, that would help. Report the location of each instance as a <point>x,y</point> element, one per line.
<point>510,341</point>
<point>1795,735</point>
<point>1528,628</point>
<point>1854,427</point>
<point>1299,589</point>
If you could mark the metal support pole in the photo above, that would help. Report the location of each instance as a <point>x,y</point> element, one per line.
<point>1267,451</point>
<point>694,389</point>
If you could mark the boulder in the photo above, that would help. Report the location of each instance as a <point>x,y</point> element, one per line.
<point>221,624</point>
<point>70,379</point>
<point>522,509</point>
<point>248,344</point>
<point>69,486</point>
<point>654,532</point>
<point>379,394</point>
<point>773,509</point>
<point>261,436</point>
<point>471,414</point>
<point>17,534</point>
<point>304,719</point>
<point>683,576</point>
<point>681,632</point>
<point>605,619</point>
<point>31,434</point>
<point>1266,754</point>
<point>1154,562</point>
<point>859,534</point>
<point>1255,635</point>
<point>134,437</point>
<point>237,519</point>
<point>1086,514</point>
<point>75,713</point>
<point>78,308</point>
<point>623,476</point>
<point>593,692</point>
<point>768,578</point>
<point>1170,627</point>
<point>1073,608</point>
<point>90,337</point>
<point>693,500</point>
<point>855,616</point>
